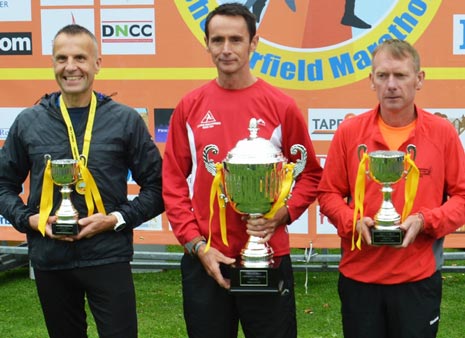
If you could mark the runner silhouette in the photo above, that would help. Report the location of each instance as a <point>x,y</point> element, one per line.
<point>350,19</point>
<point>258,5</point>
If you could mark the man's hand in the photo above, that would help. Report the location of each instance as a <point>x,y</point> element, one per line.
<point>265,228</point>
<point>34,224</point>
<point>363,227</point>
<point>95,224</point>
<point>88,226</point>
<point>211,261</point>
<point>412,226</point>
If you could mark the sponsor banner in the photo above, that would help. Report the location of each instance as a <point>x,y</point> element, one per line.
<point>15,10</point>
<point>128,31</point>
<point>66,2</point>
<point>126,2</point>
<point>53,20</point>
<point>154,53</point>
<point>323,122</point>
<point>7,116</point>
<point>16,43</point>
<point>316,51</point>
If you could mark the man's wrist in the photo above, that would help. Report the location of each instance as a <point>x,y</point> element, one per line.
<point>120,222</point>
<point>191,246</point>
<point>198,245</point>
<point>422,220</point>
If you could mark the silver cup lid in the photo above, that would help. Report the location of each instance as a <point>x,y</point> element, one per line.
<point>254,149</point>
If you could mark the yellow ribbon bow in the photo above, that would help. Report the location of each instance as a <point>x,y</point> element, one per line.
<point>46,199</point>
<point>411,186</point>
<point>217,191</point>
<point>92,193</point>
<point>358,199</point>
<point>285,190</point>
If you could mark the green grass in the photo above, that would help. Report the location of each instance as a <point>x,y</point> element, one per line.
<point>160,306</point>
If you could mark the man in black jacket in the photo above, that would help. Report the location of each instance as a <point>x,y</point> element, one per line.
<point>107,140</point>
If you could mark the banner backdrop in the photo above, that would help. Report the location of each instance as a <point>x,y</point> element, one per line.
<point>316,51</point>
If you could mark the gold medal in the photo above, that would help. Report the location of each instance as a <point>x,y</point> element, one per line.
<point>81,186</point>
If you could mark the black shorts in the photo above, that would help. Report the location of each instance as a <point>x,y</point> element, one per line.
<point>410,310</point>
<point>212,312</point>
<point>109,290</point>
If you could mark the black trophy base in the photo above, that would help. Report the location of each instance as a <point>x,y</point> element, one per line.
<point>252,280</point>
<point>62,229</point>
<point>386,236</point>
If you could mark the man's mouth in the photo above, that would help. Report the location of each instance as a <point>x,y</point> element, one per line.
<point>72,78</point>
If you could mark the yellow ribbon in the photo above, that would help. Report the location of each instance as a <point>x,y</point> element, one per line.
<point>358,199</point>
<point>46,199</point>
<point>285,190</point>
<point>215,190</point>
<point>92,193</point>
<point>411,186</point>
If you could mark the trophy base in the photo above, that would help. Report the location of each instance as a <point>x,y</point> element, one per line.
<point>256,280</point>
<point>386,236</point>
<point>61,229</point>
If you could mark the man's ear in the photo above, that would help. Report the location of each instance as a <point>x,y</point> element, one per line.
<point>253,44</point>
<point>372,84</point>
<point>206,44</point>
<point>420,80</point>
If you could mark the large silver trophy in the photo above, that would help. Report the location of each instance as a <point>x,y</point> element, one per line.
<point>253,173</point>
<point>387,168</point>
<point>65,173</point>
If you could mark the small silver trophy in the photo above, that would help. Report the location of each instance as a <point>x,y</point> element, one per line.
<point>65,173</point>
<point>253,175</point>
<point>387,168</point>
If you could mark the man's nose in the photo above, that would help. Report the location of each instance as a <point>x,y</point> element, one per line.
<point>70,64</point>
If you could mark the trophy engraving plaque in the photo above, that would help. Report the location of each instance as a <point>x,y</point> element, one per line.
<point>254,172</point>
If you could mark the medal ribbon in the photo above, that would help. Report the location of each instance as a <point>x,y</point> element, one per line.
<point>91,192</point>
<point>46,198</point>
<point>411,186</point>
<point>358,199</point>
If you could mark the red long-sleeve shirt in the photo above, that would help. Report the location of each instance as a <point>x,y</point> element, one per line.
<point>214,115</point>
<point>441,161</point>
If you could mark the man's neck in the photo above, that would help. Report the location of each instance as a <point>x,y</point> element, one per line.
<point>398,119</point>
<point>236,81</point>
<point>76,100</point>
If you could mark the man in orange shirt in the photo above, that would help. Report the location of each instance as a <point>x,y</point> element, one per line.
<point>394,290</point>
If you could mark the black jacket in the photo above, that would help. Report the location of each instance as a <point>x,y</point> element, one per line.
<point>120,143</point>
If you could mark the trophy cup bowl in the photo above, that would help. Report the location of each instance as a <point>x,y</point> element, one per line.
<point>387,168</point>
<point>65,172</point>
<point>254,171</point>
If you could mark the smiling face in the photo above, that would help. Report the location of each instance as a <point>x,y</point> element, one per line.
<point>75,63</point>
<point>395,80</point>
<point>230,45</point>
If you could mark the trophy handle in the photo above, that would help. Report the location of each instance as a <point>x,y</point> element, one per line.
<point>299,164</point>
<point>412,150</point>
<point>209,164</point>
<point>361,150</point>
<point>83,158</point>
